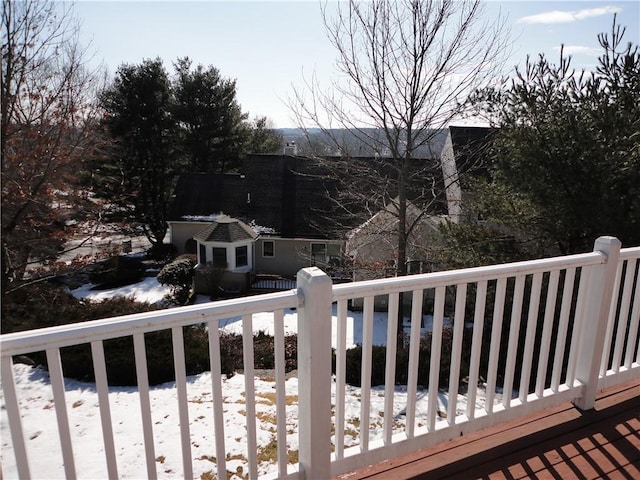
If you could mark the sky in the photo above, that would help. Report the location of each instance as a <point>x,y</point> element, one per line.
<point>268,46</point>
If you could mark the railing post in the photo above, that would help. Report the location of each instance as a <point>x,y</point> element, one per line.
<point>595,319</point>
<point>314,373</point>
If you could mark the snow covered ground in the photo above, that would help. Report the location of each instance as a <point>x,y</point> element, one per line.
<point>39,422</point>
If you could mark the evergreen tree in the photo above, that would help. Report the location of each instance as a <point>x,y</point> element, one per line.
<point>212,127</point>
<point>566,159</point>
<point>144,161</point>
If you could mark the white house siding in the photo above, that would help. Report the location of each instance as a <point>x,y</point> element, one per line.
<point>451,181</point>
<point>181,232</point>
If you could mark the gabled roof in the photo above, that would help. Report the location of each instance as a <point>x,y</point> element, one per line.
<point>226,230</point>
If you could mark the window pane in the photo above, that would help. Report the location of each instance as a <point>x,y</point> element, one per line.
<point>219,257</point>
<point>202,255</point>
<point>318,249</point>
<point>241,256</point>
<point>268,248</point>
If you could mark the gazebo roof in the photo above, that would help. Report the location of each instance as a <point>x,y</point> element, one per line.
<point>226,230</point>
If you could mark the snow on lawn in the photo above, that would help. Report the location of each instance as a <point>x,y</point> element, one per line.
<point>40,427</point>
<point>149,290</point>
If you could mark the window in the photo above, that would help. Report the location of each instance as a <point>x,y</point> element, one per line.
<point>318,253</point>
<point>242,258</point>
<point>219,257</point>
<point>268,248</point>
<point>202,255</point>
<point>326,253</point>
<point>334,253</point>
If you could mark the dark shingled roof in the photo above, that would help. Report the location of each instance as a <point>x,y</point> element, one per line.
<point>227,230</point>
<point>274,191</point>
<point>208,193</point>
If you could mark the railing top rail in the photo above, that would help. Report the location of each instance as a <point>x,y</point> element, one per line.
<point>85,332</point>
<point>627,253</point>
<point>467,275</point>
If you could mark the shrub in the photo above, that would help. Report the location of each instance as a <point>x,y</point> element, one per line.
<point>379,360</point>
<point>117,271</point>
<point>179,276</point>
<point>161,251</point>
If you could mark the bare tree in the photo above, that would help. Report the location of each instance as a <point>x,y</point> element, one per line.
<point>405,69</point>
<point>47,131</point>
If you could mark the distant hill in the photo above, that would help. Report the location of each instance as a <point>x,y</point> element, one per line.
<point>368,142</point>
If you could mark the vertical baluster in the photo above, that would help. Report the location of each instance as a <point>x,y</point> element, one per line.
<point>341,375</point>
<point>15,422</point>
<point>583,289</point>
<point>100,369</point>
<point>530,336</point>
<point>611,321</point>
<point>456,352</point>
<point>563,325</point>
<point>57,385</point>
<point>545,343</point>
<point>514,333</point>
<point>390,366</point>
<point>365,380</point>
<point>634,324</point>
<point>177,337</point>
<point>281,400</point>
<point>623,315</point>
<point>496,334</point>
<point>414,352</point>
<point>476,347</point>
<point>213,333</point>
<point>436,348</point>
<point>250,394</point>
<point>145,404</point>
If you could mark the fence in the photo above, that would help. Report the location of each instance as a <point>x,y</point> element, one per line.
<point>503,341</point>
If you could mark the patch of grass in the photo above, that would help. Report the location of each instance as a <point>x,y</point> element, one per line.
<point>237,456</point>
<point>161,459</point>
<point>354,421</point>
<point>270,399</point>
<point>268,453</point>
<point>351,431</point>
<point>292,456</point>
<point>266,417</point>
<point>209,458</point>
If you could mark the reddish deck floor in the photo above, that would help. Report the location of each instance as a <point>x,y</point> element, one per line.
<point>557,443</point>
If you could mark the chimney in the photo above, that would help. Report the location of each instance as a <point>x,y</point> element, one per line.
<point>291,149</point>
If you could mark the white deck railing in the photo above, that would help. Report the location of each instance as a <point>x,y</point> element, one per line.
<point>521,336</point>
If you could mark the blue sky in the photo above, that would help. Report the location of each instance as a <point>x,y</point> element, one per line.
<point>269,45</point>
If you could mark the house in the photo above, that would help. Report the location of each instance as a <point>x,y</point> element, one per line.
<point>463,157</point>
<point>285,200</point>
<point>279,198</point>
<point>373,245</point>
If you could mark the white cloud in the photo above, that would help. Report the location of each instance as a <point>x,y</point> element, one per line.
<point>579,50</point>
<point>559,16</point>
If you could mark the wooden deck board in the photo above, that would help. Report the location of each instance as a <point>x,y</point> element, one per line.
<point>557,443</point>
